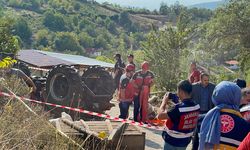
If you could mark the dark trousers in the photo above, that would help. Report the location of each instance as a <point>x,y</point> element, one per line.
<point>124,106</point>
<point>136,107</point>
<point>195,139</point>
<point>117,80</point>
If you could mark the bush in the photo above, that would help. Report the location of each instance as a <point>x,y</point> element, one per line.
<point>67,41</point>
<point>42,38</point>
<point>33,5</point>
<point>22,29</point>
<point>105,59</point>
<point>77,6</point>
<point>85,40</point>
<point>8,43</point>
<point>54,22</point>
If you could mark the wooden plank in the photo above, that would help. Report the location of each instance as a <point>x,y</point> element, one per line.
<point>80,128</point>
<point>84,124</point>
<point>117,132</point>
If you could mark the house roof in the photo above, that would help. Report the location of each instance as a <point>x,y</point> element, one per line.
<point>46,59</point>
<point>232,62</point>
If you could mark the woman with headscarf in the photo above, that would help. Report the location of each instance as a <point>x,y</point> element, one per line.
<point>223,127</point>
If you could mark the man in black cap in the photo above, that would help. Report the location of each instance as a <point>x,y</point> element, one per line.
<point>240,82</point>
<point>118,70</point>
<point>131,60</point>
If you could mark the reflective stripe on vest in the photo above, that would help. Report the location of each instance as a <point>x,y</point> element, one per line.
<point>188,109</point>
<point>230,141</point>
<point>176,134</point>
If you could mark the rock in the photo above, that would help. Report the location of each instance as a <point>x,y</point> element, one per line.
<point>66,116</point>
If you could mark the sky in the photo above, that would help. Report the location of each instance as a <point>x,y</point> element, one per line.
<point>153,4</point>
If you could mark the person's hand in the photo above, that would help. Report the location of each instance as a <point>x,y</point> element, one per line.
<point>166,97</point>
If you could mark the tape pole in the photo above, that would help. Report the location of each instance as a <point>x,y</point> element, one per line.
<point>87,112</point>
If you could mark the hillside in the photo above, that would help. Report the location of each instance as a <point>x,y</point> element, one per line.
<point>86,27</point>
<point>209,5</point>
<point>79,27</point>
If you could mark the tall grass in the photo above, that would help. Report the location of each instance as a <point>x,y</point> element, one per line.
<point>22,129</point>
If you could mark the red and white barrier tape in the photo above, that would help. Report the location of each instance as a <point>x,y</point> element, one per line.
<point>86,112</point>
<point>40,69</point>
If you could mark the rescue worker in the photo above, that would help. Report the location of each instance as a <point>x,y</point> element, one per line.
<point>126,91</point>
<point>131,60</point>
<point>142,81</point>
<point>245,144</point>
<point>181,119</point>
<point>194,73</point>
<point>245,104</point>
<point>223,127</point>
<point>118,69</point>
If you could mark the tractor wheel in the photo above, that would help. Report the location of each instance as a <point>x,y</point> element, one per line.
<point>22,66</point>
<point>100,82</point>
<point>62,87</point>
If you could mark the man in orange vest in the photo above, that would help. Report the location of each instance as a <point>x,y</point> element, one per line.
<point>126,91</point>
<point>142,81</point>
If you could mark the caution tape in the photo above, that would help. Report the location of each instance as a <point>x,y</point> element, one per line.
<point>86,112</point>
<point>40,69</point>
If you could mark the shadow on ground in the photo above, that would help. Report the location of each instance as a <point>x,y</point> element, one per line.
<point>152,144</point>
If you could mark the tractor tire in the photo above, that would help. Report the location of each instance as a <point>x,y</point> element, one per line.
<point>62,87</point>
<point>23,66</point>
<point>100,82</point>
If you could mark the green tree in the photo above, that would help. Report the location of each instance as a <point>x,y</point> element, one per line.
<point>124,19</point>
<point>77,6</point>
<point>54,22</point>
<point>91,30</point>
<point>85,40</point>
<point>42,38</point>
<point>22,29</point>
<point>164,48</point>
<point>75,20</point>
<point>164,9</point>
<point>67,41</point>
<point>101,42</point>
<point>110,25</point>
<point>1,11</point>
<point>8,43</point>
<point>228,32</point>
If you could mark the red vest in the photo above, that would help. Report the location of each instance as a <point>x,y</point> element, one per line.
<point>142,79</point>
<point>125,83</point>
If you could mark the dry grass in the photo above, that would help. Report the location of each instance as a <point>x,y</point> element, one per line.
<point>22,129</point>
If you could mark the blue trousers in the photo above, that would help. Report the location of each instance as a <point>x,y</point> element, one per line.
<point>124,106</point>
<point>136,107</point>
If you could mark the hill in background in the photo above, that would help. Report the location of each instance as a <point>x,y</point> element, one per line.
<point>209,5</point>
<point>87,27</point>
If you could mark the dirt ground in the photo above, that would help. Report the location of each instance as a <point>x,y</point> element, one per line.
<point>154,140</point>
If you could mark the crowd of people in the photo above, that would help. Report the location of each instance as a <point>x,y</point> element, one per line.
<point>211,116</point>
<point>133,86</point>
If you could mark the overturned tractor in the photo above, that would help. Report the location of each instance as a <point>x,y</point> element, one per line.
<point>91,88</point>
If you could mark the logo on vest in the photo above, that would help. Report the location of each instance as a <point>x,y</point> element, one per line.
<point>227,123</point>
